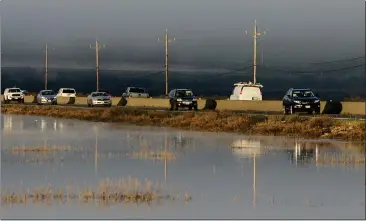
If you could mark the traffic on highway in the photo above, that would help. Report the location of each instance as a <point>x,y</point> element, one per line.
<point>295,100</point>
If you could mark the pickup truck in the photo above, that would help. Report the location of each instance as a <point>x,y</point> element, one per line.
<point>135,92</point>
<point>13,94</point>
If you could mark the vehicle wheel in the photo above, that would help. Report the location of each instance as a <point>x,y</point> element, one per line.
<point>109,105</point>
<point>285,110</point>
<point>195,108</point>
<point>5,101</point>
<point>171,107</point>
<point>190,107</point>
<point>176,107</point>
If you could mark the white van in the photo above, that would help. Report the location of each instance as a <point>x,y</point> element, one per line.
<point>246,92</point>
<point>66,92</point>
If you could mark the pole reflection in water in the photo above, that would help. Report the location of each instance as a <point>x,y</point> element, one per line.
<point>316,156</point>
<point>8,124</point>
<point>55,125</point>
<point>165,157</point>
<point>96,151</point>
<point>248,149</point>
<point>254,180</point>
<point>43,125</point>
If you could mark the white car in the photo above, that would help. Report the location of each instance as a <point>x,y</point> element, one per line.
<point>46,97</point>
<point>99,99</point>
<point>246,92</point>
<point>13,94</point>
<point>66,92</point>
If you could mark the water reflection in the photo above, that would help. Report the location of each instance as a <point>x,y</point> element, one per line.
<point>246,148</point>
<point>249,149</point>
<point>228,176</point>
<point>302,153</point>
<point>40,123</point>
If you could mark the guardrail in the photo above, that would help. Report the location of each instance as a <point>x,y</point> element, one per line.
<point>353,108</point>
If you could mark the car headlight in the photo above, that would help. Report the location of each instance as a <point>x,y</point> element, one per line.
<point>297,102</point>
<point>179,99</point>
<point>316,101</point>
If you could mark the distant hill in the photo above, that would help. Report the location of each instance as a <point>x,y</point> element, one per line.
<point>328,85</point>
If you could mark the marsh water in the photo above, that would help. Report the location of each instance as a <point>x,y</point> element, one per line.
<point>226,175</point>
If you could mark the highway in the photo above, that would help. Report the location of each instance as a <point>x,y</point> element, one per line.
<point>80,106</point>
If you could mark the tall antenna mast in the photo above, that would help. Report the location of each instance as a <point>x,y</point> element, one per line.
<point>256,36</point>
<point>167,41</point>
<point>97,47</point>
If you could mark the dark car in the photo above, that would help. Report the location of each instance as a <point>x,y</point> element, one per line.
<point>182,98</point>
<point>300,100</point>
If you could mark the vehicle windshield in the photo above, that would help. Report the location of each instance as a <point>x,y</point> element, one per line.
<point>15,90</point>
<point>100,94</point>
<point>184,93</point>
<point>48,93</point>
<point>68,91</point>
<point>137,90</point>
<point>302,94</point>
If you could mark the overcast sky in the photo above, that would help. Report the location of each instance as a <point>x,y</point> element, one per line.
<point>209,33</point>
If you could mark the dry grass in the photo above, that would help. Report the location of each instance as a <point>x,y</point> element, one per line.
<point>215,121</point>
<point>39,149</point>
<point>153,155</point>
<point>108,192</point>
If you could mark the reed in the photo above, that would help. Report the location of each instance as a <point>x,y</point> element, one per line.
<point>108,192</point>
<point>39,149</point>
<point>153,155</point>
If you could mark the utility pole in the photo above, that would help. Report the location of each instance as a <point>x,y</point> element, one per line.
<point>256,36</point>
<point>167,41</point>
<point>46,67</point>
<point>97,47</point>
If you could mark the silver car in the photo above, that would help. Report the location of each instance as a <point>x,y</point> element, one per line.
<point>99,99</point>
<point>46,97</point>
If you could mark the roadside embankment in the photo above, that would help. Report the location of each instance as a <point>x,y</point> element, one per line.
<point>348,107</point>
<point>215,121</point>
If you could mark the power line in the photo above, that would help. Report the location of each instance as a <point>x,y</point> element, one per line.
<point>335,61</point>
<point>317,71</point>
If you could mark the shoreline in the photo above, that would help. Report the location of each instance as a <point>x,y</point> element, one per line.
<point>318,127</point>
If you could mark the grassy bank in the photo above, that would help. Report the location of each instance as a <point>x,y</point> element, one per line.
<point>223,121</point>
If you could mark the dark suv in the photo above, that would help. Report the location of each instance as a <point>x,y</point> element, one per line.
<point>300,100</point>
<point>182,98</point>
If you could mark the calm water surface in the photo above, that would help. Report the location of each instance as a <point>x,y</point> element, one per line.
<point>261,177</point>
